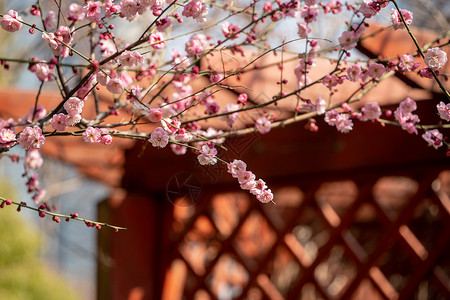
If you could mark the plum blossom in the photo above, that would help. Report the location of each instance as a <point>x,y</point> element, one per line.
<point>230,30</point>
<point>331,117</point>
<point>310,13</point>
<point>129,9</point>
<point>376,70</point>
<point>303,29</point>
<point>444,111</point>
<point>73,106</point>
<point>403,114</point>
<point>92,11</point>
<point>433,137</point>
<point>435,58</point>
<point>265,196</point>
<point>230,118</point>
<point>115,86</point>
<point>236,167</point>
<point>196,44</point>
<point>31,138</point>
<point>163,24</point>
<point>7,137</point>
<point>330,80</point>
<point>157,40</point>
<point>92,135</point>
<point>369,8</point>
<point>73,120</point>
<point>33,160</point>
<point>370,111</point>
<point>354,73</point>
<point>155,115</point>
<point>321,106</point>
<point>58,122</point>
<point>130,58</point>
<point>259,187</point>
<point>207,155</point>
<point>263,125</point>
<point>397,20</point>
<point>51,21</point>
<point>43,72</point>
<point>159,138</point>
<point>178,149</point>
<point>247,180</point>
<point>407,63</point>
<point>343,123</point>
<point>76,12</point>
<point>11,21</point>
<point>197,10</point>
<point>348,40</point>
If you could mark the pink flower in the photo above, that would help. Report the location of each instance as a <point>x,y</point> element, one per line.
<point>73,106</point>
<point>348,40</point>
<point>163,24</point>
<point>247,180</point>
<point>33,160</point>
<point>196,44</point>
<point>310,13</point>
<point>403,114</point>
<point>444,111</point>
<point>376,70</point>
<point>303,29</point>
<point>31,137</point>
<point>212,107</point>
<point>397,20</point>
<point>263,125</point>
<point>159,138</point>
<point>230,118</point>
<point>130,58</point>
<point>129,9</point>
<point>343,123</point>
<point>265,196</point>
<point>196,10</point>
<point>321,106</point>
<point>92,11</point>
<point>242,98</point>
<point>369,8</point>
<point>259,187</point>
<point>230,30</point>
<point>330,81</point>
<point>155,115</point>
<point>73,120</point>
<point>207,155</point>
<point>407,63</point>
<point>92,135</point>
<point>178,149</point>
<point>354,73</point>
<point>76,12</point>
<point>7,137</point>
<point>268,7</point>
<point>106,139</point>
<point>115,86</point>
<point>331,117</point>
<point>408,105</point>
<point>10,22</point>
<point>236,167</point>
<point>433,137</point>
<point>51,21</point>
<point>157,40</point>
<point>370,111</point>
<point>58,122</point>
<point>435,58</point>
<point>43,72</point>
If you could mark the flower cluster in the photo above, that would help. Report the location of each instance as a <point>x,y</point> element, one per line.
<point>247,181</point>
